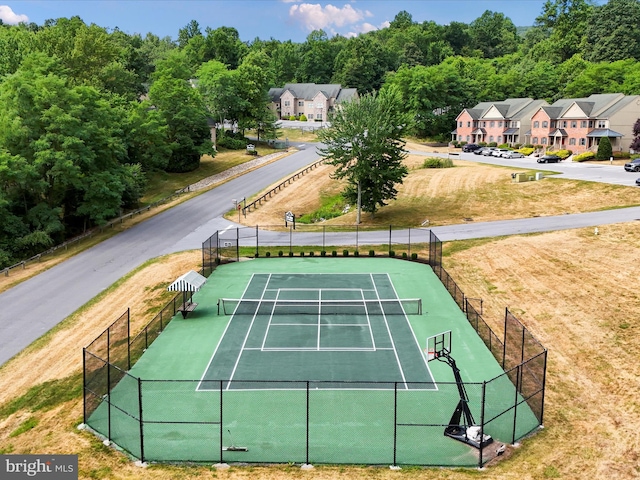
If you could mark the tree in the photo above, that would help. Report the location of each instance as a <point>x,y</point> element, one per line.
<point>635,144</point>
<point>604,149</point>
<point>365,143</point>
<point>493,34</point>
<point>612,32</point>
<point>361,64</point>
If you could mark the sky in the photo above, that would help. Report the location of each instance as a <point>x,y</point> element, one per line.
<point>279,19</point>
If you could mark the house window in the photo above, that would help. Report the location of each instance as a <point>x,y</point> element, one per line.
<point>602,124</point>
<point>564,124</point>
<point>545,124</point>
<point>468,125</point>
<point>534,140</point>
<point>499,138</point>
<point>319,105</point>
<point>499,124</point>
<point>590,123</point>
<point>460,124</point>
<point>544,140</point>
<point>493,124</point>
<point>310,115</point>
<point>583,141</point>
<point>287,103</point>
<point>491,138</point>
<point>572,141</point>
<point>583,124</point>
<point>310,105</point>
<point>574,124</point>
<point>484,124</point>
<point>468,138</point>
<point>536,124</point>
<point>301,103</point>
<point>553,124</point>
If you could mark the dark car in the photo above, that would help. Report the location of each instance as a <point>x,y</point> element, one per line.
<point>470,147</point>
<point>638,181</point>
<point>480,150</point>
<point>633,165</point>
<point>549,159</point>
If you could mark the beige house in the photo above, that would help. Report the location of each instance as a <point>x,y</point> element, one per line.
<point>576,124</point>
<point>314,101</point>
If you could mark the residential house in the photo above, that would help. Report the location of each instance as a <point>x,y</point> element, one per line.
<point>314,101</point>
<point>499,122</point>
<point>576,124</point>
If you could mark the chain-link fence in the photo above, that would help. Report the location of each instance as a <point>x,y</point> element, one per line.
<point>307,421</point>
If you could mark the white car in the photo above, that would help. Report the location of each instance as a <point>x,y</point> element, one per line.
<point>499,152</point>
<point>512,154</point>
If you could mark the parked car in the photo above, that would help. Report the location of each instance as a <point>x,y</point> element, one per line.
<point>549,159</point>
<point>499,152</point>
<point>512,154</point>
<point>470,147</point>
<point>480,151</point>
<point>488,151</point>
<point>638,181</point>
<point>633,165</point>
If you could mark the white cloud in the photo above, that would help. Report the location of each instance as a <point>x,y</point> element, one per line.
<point>315,16</point>
<point>7,16</point>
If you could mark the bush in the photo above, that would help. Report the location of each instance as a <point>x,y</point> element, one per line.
<point>404,255</point>
<point>280,253</point>
<point>311,254</point>
<point>563,154</point>
<point>604,149</point>
<point>345,253</point>
<point>435,162</point>
<point>292,117</point>
<point>303,118</point>
<point>392,253</point>
<point>482,144</point>
<point>302,254</point>
<point>217,260</point>
<point>414,256</point>
<point>334,253</point>
<point>517,145</point>
<point>268,254</point>
<point>581,157</point>
<point>503,145</point>
<point>493,144</point>
<point>526,151</point>
<point>372,253</point>
<point>323,253</point>
<point>528,145</point>
<point>356,253</point>
<point>230,140</point>
<point>291,254</point>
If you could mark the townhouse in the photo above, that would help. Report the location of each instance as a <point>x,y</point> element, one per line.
<point>576,124</point>
<point>314,101</point>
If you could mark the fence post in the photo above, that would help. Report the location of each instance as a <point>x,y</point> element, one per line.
<point>504,343</point>
<point>395,422</point>
<point>237,244</point>
<point>221,427</point>
<point>515,403</point>
<point>307,455</point>
<point>257,242</point>
<point>108,384</point>
<point>141,422</point>
<point>482,405</point>
<point>389,240</point>
<point>128,339</point>
<point>84,386</point>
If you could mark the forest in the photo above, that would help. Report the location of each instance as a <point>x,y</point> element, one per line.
<point>86,113</point>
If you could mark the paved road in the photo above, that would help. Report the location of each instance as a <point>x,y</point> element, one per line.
<point>32,308</point>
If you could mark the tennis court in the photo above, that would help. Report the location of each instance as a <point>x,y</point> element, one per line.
<point>309,360</point>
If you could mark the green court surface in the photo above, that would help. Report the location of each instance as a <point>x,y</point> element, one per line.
<point>343,376</point>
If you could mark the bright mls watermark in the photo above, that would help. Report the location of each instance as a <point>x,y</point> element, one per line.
<point>53,467</point>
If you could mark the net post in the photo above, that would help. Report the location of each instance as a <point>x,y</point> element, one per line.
<point>84,386</point>
<point>482,405</point>
<point>395,422</point>
<point>221,426</point>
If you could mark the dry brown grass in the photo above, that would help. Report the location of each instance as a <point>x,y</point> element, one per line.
<point>574,290</point>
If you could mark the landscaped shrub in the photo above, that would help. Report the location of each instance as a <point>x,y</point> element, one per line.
<point>404,255</point>
<point>414,256</point>
<point>230,140</point>
<point>268,254</point>
<point>620,155</point>
<point>581,157</point>
<point>323,253</point>
<point>372,253</point>
<point>563,154</point>
<point>436,162</point>
<point>528,145</point>
<point>345,253</point>
<point>392,253</point>
<point>503,145</point>
<point>334,253</point>
<point>302,254</point>
<point>482,144</point>
<point>292,117</point>
<point>526,151</point>
<point>311,254</point>
<point>291,254</point>
<point>303,118</point>
<point>604,149</point>
<point>280,253</point>
<point>492,144</point>
<point>356,253</point>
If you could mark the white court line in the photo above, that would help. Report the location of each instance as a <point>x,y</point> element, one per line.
<point>223,334</point>
<point>246,337</point>
<point>373,340</point>
<point>395,352</point>
<point>424,359</point>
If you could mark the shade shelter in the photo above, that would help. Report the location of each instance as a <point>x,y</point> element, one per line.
<point>189,282</point>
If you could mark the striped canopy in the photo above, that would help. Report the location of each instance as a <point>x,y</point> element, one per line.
<point>189,282</point>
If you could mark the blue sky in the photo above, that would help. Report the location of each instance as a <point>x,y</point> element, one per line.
<point>279,19</point>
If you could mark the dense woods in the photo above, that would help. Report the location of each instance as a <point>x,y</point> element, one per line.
<point>86,112</point>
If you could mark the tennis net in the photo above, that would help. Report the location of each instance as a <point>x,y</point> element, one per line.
<point>248,306</point>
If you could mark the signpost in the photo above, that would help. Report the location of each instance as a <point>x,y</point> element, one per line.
<point>290,217</point>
